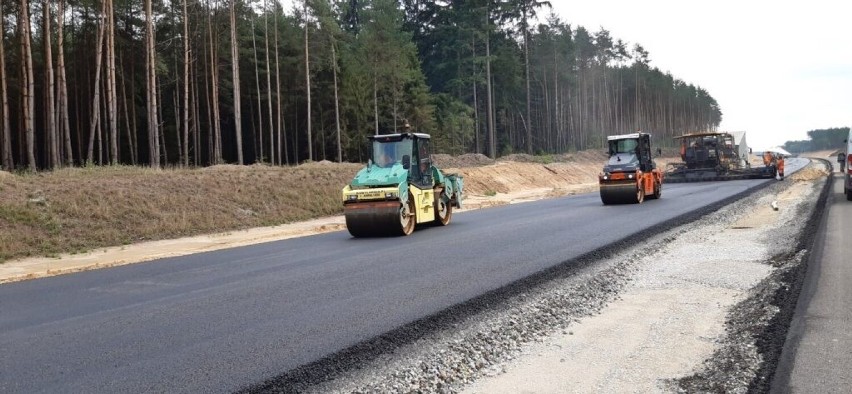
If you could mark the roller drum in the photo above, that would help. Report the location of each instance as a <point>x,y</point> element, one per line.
<point>376,219</point>
<point>620,193</point>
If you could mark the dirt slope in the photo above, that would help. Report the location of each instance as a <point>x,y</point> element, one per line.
<point>77,219</point>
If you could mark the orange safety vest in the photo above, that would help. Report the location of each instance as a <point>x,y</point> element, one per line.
<point>781,165</point>
<point>767,158</point>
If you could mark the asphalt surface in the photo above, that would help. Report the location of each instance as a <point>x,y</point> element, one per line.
<point>219,321</point>
<point>818,352</point>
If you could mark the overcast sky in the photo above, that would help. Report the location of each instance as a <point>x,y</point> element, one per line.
<point>777,68</point>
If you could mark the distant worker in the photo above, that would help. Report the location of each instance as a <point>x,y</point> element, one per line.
<point>841,159</point>
<point>767,158</point>
<point>781,167</point>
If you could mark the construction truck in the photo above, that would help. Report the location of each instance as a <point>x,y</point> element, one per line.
<point>715,156</point>
<point>630,175</point>
<point>399,188</point>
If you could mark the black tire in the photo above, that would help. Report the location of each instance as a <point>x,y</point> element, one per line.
<point>443,212</point>
<point>407,218</point>
<point>658,192</point>
<point>848,195</point>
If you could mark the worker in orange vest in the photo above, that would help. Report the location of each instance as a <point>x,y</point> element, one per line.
<point>767,158</point>
<point>781,166</point>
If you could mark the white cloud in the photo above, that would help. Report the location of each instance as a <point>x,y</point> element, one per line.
<point>777,69</point>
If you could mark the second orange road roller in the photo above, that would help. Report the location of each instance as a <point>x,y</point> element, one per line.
<point>630,174</point>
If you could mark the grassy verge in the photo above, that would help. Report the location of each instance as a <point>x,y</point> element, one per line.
<point>75,210</point>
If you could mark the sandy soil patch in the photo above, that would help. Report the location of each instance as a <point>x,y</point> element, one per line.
<point>809,174</point>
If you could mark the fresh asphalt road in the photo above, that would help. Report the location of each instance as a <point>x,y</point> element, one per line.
<point>218,321</point>
<point>817,357</point>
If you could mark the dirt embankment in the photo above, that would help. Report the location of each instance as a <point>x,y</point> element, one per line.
<point>80,209</point>
<point>76,219</point>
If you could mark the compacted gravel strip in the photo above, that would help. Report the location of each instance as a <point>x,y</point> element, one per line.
<point>446,352</point>
<point>757,327</point>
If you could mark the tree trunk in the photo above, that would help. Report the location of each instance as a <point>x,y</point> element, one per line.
<point>176,102</point>
<point>49,99</point>
<point>282,134</point>
<point>196,119</point>
<point>216,157</point>
<point>27,84</point>
<point>127,127</point>
<point>235,68</point>
<point>375,102</point>
<point>269,82</point>
<point>259,134</point>
<point>492,144</point>
<point>209,103</point>
<point>99,131</point>
<point>308,87</point>
<point>164,153</point>
<point>528,120</point>
<point>336,103</point>
<point>186,53</point>
<point>476,137</point>
<point>111,95</point>
<point>151,78</point>
<point>6,159</point>
<point>133,116</point>
<point>64,121</point>
<point>96,98</point>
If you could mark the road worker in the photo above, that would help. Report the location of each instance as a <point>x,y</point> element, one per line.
<point>767,158</point>
<point>780,162</point>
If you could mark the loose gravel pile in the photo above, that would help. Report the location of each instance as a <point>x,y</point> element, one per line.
<point>445,353</point>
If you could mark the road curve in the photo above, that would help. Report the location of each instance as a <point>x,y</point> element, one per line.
<point>219,321</point>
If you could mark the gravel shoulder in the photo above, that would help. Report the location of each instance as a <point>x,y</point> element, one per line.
<point>702,307</point>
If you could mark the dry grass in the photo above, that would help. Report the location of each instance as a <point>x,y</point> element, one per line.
<point>81,209</point>
<point>74,210</point>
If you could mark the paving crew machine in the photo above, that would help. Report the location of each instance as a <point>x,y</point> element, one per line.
<point>630,175</point>
<point>715,156</point>
<point>399,188</point>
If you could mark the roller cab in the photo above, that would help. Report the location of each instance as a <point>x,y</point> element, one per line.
<point>630,174</point>
<point>399,188</point>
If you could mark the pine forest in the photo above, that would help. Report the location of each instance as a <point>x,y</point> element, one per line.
<point>203,82</point>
